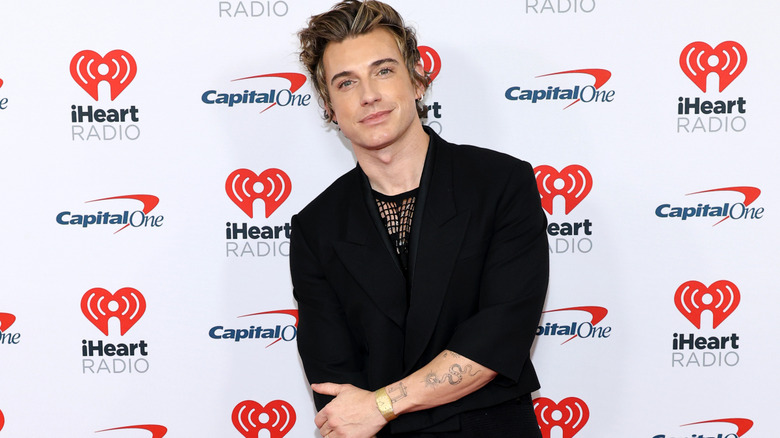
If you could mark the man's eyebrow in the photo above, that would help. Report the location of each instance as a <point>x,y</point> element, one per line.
<point>374,64</point>
<point>383,61</point>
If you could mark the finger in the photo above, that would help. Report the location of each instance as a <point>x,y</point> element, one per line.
<point>326,388</point>
<point>320,419</point>
<point>325,430</point>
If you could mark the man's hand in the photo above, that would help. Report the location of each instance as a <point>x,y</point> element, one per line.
<point>352,414</point>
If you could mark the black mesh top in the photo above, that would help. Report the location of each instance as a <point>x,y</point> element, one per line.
<point>396,213</point>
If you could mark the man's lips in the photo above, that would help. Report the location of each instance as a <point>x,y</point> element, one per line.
<point>375,117</point>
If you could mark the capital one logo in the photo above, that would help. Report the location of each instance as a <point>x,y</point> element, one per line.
<point>100,305</point>
<point>570,415</point>
<point>579,93</point>
<point>89,69</point>
<point>284,97</point>
<point>573,183</point>
<point>727,210</point>
<point>250,417</point>
<point>272,186</point>
<point>6,321</point>
<point>156,430</point>
<point>430,60</point>
<point>136,219</point>
<point>699,59</point>
<point>721,298</point>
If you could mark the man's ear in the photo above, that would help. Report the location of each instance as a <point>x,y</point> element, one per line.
<point>329,112</point>
<point>419,88</point>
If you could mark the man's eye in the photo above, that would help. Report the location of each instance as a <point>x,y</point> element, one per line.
<point>346,83</point>
<point>386,70</point>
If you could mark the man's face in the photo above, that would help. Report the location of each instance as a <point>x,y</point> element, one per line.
<point>371,92</point>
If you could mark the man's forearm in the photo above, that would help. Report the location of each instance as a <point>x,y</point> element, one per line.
<point>448,377</point>
<point>355,412</point>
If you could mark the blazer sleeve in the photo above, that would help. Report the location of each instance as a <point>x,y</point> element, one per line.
<point>514,281</point>
<point>327,349</point>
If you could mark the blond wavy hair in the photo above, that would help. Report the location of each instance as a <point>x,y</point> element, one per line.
<point>351,18</point>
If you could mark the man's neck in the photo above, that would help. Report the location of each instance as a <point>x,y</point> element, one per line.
<point>396,168</point>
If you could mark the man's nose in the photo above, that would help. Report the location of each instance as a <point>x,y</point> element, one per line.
<point>370,93</point>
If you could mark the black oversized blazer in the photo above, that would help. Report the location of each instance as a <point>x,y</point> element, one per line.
<point>478,268</point>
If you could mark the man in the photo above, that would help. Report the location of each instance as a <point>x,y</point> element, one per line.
<point>420,275</point>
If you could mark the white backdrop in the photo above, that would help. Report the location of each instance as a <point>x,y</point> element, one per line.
<point>205,320</point>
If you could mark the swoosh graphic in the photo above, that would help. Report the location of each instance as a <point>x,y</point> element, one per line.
<point>743,424</point>
<point>296,82</point>
<point>600,75</point>
<point>7,320</point>
<point>750,194</point>
<point>156,430</point>
<point>149,202</point>
<point>291,312</point>
<point>597,315</point>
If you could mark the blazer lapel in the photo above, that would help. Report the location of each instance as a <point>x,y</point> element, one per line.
<point>368,258</point>
<point>438,241</point>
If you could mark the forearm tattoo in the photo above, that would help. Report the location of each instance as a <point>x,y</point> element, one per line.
<point>396,392</point>
<point>453,377</point>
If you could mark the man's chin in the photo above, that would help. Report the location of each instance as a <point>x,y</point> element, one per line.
<point>371,147</point>
<point>372,143</point>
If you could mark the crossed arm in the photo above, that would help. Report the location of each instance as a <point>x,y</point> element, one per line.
<point>354,412</point>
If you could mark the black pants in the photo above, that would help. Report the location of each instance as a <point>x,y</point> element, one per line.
<point>512,419</point>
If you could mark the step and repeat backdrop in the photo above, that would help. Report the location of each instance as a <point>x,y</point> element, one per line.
<point>153,154</point>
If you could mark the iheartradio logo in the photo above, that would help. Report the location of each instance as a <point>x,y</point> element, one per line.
<point>699,59</point>
<point>431,61</point>
<point>242,188</point>
<point>156,430</point>
<point>721,298</point>
<point>89,69</point>
<point>99,306</point>
<point>573,183</point>
<point>2,420</point>
<point>6,321</point>
<point>250,417</point>
<point>570,415</point>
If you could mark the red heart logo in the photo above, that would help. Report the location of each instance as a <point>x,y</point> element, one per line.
<point>248,418</point>
<point>96,306</point>
<point>572,415</point>
<point>576,184</point>
<point>6,321</point>
<point>2,420</point>
<point>119,70</point>
<point>431,61</point>
<point>730,56</point>
<point>723,297</point>
<point>240,188</point>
